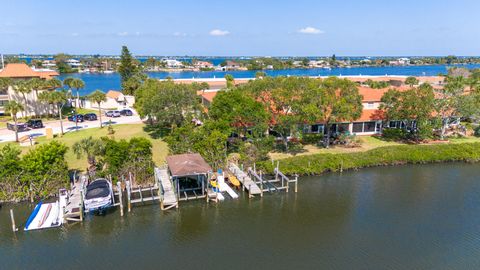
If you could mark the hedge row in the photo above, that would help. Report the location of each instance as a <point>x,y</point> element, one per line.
<point>382,156</point>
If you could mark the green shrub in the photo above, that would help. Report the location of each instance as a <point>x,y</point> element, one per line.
<point>311,138</point>
<point>390,155</point>
<point>477,131</point>
<point>394,134</point>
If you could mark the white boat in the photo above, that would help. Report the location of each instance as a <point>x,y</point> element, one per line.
<point>47,215</point>
<point>98,195</point>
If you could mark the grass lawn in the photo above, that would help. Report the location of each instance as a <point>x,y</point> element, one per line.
<point>127,131</point>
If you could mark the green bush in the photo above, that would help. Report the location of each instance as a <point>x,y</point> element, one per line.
<point>394,134</point>
<point>390,155</point>
<point>477,131</point>
<point>311,138</point>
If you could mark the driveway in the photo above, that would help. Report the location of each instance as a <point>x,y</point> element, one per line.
<point>7,135</point>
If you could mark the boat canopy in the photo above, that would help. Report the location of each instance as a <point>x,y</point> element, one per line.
<point>187,164</point>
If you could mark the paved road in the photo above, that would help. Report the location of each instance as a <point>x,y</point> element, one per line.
<point>9,136</point>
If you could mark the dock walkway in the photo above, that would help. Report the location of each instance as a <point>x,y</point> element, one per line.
<point>74,207</point>
<point>246,181</point>
<point>168,199</point>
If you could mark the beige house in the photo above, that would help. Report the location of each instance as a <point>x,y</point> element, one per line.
<point>115,100</point>
<point>18,72</point>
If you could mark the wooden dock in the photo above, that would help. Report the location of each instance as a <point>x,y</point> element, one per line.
<point>74,207</point>
<point>247,182</point>
<point>167,196</point>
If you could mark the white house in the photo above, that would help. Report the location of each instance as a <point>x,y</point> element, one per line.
<point>172,63</point>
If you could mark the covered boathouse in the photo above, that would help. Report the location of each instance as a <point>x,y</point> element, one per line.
<point>189,174</point>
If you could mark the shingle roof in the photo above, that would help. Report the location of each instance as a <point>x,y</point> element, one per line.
<point>187,164</point>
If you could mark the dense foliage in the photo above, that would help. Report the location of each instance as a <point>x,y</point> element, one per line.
<point>390,155</point>
<point>166,103</point>
<point>39,173</point>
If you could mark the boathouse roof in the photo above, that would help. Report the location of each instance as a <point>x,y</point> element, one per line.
<point>187,164</point>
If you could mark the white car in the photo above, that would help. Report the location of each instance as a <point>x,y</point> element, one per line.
<point>113,114</point>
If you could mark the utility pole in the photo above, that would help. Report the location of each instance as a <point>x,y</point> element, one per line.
<point>3,63</point>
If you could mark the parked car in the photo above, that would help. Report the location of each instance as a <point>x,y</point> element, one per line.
<point>35,123</point>
<point>113,114</point>
<point>76,118</point>
<point>21,127</point>
<point>90,117</point>
<point>126,112</point>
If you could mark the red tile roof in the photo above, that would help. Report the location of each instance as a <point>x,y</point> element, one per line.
<point>113,94</point>
<point>371,115</point>
<point>209,95</point>
<point>22,70</point>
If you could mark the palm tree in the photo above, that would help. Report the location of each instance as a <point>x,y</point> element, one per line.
<point>24,88</point>
<point>59,98</point>
<point>13,108</point>
<point>46,97</point>
<point>91,147</point>
<point>37,84</point>
<point>5,83</point>
<point>74,83</point>
<point>98,97</point>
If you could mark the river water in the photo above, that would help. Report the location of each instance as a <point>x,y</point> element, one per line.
<point>406,217</point>
<point>105,82</point>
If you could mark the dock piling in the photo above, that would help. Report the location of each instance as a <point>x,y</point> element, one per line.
<point>120,199</point>
<point>81,205</point>
<point>12,217</point>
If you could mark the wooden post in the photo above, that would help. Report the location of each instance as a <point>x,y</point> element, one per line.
<point>120,199</point>
<point>296,183</point>
<point>31,194</point>
<point>14,227</point>
<point>81,205</point>
<point>140,193</point>
<point>129,204</point>
<point>261,184</point>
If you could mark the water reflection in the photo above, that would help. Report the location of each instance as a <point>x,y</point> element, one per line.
<point>406,217</point>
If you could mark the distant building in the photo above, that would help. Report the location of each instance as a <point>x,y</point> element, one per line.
<point>203,64</point>
<point>18,72</point>
<point>115,100</point>
<point>49,63</point>
<point>172,63</point>
<point>232,65</point>
<point>74,63</point>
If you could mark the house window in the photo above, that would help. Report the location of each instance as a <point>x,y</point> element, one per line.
<point>317,129</point>
<point>358,127</point>
<point>369,127</point>
<point>370,105</point>
<point>342,128</point>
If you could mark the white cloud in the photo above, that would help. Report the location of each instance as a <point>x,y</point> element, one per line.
<point>75,34</point>
<point>179,34</point>
<point>310,31</point>
<point>218,32</point>
<point>122,34</point>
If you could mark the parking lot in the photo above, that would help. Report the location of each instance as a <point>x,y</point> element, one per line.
<point>7,135</point>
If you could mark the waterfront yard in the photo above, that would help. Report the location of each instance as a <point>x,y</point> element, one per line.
<point>127,131</point>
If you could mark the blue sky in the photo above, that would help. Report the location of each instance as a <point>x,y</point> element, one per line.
<point>228,27</point>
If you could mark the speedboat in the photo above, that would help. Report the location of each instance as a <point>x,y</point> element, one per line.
<point>99,195</point>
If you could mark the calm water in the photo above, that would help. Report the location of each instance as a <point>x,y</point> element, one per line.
<point>410,217</point>
<point>107,82</point>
